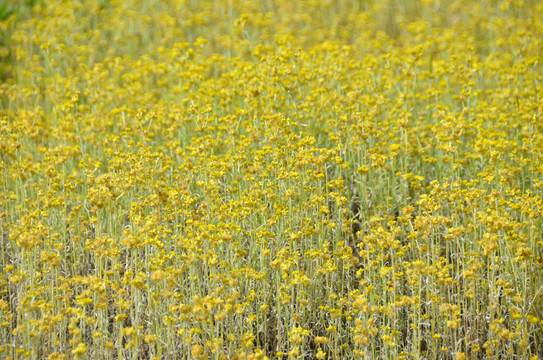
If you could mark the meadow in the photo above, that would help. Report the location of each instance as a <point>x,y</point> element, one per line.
<point>244,179</point>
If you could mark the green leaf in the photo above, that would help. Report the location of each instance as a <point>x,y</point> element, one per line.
<point>5,13</point>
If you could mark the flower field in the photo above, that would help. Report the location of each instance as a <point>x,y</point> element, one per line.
<point>250,179</point>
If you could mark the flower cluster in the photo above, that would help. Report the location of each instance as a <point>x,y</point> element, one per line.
<point>271,180</point>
